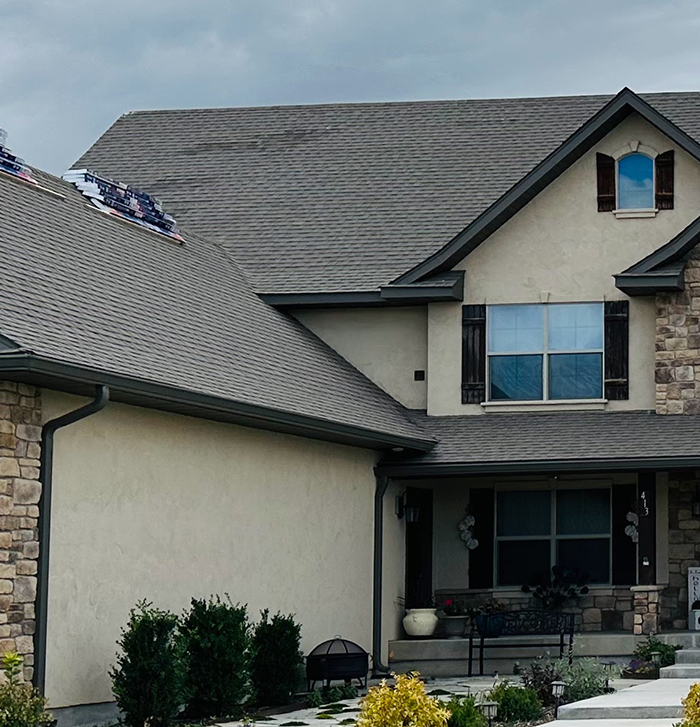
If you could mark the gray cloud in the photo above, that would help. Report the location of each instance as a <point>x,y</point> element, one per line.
<point>69,68</point>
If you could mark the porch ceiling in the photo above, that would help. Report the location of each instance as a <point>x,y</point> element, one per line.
<point>561,441</point>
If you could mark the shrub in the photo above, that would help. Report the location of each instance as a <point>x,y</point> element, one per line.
<point>561,586</point>
<point>404,704</point>
<point>277,660</point>
<point>20,704</point>
<point>465,713</point>
<point>148,681</point>
<point>691,707</point>
<point>539,676</point>
<point>584,678</point>
<point>652,643</point>
<point>516,704</point>
<point>217,643</point>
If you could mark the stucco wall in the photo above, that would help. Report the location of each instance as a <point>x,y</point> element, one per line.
<point>387,344</point>
<point>165,507</point>
<point>559,248</point>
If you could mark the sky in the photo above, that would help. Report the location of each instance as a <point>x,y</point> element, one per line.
<point>70,68</point>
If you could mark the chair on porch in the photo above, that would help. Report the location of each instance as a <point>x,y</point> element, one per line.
<point>490,627</point>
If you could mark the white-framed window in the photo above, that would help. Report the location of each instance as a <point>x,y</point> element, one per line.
<point>539,528</point>
<point>544,351</point>
<point>635,182</point>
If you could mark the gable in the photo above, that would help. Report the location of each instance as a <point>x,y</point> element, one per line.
<point>561,246</point>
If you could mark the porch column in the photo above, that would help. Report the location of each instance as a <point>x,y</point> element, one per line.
<point>645,596</point>
<point>378,668</point>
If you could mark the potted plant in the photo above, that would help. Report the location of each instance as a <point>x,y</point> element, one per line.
<point>454,620</point>
<point>485,618</point>
<point>694,617</point>
<point>420,619</point>
<point>563,585</point>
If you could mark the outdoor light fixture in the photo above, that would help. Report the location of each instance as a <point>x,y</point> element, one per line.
<point>558,692</point>
<point>490,710</point>
<point>656,661</point>
<point>411,512</point>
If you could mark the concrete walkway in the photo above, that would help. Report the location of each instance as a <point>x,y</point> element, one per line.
<point>657,701</point>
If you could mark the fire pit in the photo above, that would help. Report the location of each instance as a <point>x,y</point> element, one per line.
<point>337,659</point>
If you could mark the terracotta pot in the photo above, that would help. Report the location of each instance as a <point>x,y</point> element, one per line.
<point>453,627</point>
<point>420,621</point>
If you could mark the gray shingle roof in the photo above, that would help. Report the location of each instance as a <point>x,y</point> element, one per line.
<point>88,290</point>
<point>344,197</point>
<point>575,437</point>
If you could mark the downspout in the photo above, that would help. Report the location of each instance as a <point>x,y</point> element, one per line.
<point>378,669</point>
<point>46,460</point>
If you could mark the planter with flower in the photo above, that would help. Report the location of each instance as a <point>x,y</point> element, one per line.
<point>454,619</point>
<point>488,628</point>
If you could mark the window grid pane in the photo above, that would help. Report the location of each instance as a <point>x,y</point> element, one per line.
<point>519,329</point>
<point>525,548</point>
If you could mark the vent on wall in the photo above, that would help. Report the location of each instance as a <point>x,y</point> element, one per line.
<point>12,164</point>
<point>126,202</point>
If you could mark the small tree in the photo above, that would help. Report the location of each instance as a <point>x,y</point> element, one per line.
<point>217,641</point>
<point>148,681</point>
<point>277,659</point>
<point>20,704</point>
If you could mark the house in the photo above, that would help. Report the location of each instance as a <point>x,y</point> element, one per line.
<point>481,313</point>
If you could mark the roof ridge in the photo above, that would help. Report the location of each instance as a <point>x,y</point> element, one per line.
<point>403,102</point>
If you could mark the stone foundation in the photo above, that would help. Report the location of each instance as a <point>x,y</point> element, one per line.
<point>20,436</point>
<point>645,600</point>
<point>601,609</point>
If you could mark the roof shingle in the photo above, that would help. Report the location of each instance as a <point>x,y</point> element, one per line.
<point>344,197</point>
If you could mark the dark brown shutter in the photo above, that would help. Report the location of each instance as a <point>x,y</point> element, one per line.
<point>664,180</point>
<point>606,182</point>
<point>617,349</point>
<point>473,354</point>
<point>481,558</point>
<point>624,549</point>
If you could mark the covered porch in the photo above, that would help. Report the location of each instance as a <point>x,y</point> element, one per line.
<point>475,532</point>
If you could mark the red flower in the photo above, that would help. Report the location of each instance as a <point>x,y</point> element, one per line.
<point>448,602</point>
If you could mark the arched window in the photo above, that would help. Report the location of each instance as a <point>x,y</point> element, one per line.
<point>635,173</point>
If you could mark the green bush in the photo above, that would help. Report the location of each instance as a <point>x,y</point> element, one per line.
<point>516,704</point>
<point>667,651</point>
<point>20,704</point>
<point>539,676</point>
<point>277,660</point>
<point>584,678</point>
<point>465,713</point>
<point>217,643</point>
<point>149,679</point>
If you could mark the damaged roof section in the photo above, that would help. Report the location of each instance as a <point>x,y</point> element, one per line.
<point>89,300</point>
<point>126,202</point>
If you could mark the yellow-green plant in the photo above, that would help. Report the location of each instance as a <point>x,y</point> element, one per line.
<point>691,707</point>
<point>20,704</point>
<point>404,705</point>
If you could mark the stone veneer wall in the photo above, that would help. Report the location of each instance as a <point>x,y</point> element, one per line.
<point>20,436</point>
<point>683,548</point>
<point>677,372</point>
<point>602,609</point>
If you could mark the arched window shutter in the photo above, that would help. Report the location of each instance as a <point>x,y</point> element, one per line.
<point>473,354</point>
<point>606,182</point>
<point>617,349</point>
<point>664,180</point>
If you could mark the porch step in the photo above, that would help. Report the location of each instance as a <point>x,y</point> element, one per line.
<point>688,656</point>
<point>680,671</point>
<point>657,699</point>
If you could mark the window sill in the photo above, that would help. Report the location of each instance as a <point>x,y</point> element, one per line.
<point>558,405</point>
<point>634,214</point>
